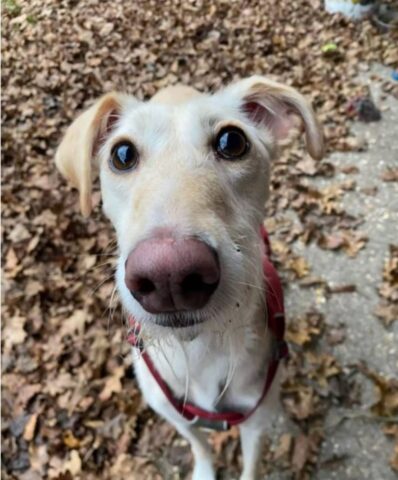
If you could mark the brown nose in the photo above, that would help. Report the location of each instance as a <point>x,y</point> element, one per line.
<point>166,274</point>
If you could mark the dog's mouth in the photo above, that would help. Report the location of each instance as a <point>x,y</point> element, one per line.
<point>178,319</point>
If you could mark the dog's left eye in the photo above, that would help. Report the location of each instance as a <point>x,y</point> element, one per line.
<point>124,156</point>
<point>231,143</point>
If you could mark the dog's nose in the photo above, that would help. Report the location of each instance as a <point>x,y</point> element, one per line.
<point>167,274</point>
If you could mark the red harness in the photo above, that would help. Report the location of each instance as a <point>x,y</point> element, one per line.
<point>276,325</point>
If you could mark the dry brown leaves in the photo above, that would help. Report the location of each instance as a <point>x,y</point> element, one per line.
<point>71,408</point>
<point>390,175</point>
<point>392,431</point>
<point>386,406</point>
<point>387,310</point>
<point>315,380</point>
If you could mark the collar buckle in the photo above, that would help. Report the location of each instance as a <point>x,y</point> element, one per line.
<point>210,425</point>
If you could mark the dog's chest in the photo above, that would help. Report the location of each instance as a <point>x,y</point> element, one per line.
<point>215,375</point>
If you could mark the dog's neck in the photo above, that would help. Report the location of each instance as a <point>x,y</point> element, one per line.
<point>198,363</point>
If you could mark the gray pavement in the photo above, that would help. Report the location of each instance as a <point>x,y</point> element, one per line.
<point>359,438</point>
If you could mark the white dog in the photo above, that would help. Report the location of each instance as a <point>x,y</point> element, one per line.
<point>184,180</point>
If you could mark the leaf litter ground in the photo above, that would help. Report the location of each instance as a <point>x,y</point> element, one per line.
<point>70,404</point>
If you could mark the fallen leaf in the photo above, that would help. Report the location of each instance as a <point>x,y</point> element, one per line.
<point>387,313</point>
<point>62,381</point>
<point>301,405</point>
<point>307,166</point>
<point>312,282</point>
<point>390,175</point>
<point>349,288</point>
<point>336,335</point>
<point>70,440</point>
<point>394,458</point>
<point>26,393</point>
<point>13,332</point>
<point>19,233</point>
<point>74,324</point>
<point>300,453</point>
<point>349,169</point>
<point>351,242</point>
<point>11,265</point>
<point>219,439</point>
<point>284,446</point>
<point>39,458</point>
<point>299,266</point>
<point>387,393</point>
<point>331,242</point>
<point>30,427</point>
<point>74,464</point>
<point>354,243</point>
<point>112,385</point>
<point>305,329</point>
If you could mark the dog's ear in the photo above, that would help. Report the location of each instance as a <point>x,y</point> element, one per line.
<point>280,109</point>
<point>80,144</point>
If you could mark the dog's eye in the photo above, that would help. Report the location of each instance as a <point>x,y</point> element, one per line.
<point>231,143</point>
<point>124,156</point>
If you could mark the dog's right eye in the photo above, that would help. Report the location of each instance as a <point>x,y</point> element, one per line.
<point>124,156</point>
<point>231,143</point>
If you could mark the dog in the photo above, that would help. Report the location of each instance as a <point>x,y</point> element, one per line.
<point>184,180</point>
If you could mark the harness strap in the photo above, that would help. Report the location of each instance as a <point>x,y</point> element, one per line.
<point>276,325</point>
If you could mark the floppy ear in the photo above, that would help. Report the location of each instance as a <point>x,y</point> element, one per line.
<point>80,145</point>
<point>281,109</point>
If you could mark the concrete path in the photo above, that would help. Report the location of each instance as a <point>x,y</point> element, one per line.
<point>359,439</point>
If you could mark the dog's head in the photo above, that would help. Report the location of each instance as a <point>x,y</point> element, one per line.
<point>184,180</point>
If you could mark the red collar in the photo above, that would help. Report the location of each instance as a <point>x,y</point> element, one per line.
<point>276,325</point>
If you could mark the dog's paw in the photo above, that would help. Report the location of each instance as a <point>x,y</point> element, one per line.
<point>247,477</point>
<point>203,471</point>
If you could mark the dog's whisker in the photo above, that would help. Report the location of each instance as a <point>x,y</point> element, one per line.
<point>101,283</point>
<point>230,374</point>
<point>111,308</point>
<point>99,255</point>
<point>105,267</point>
<point>246,284</point>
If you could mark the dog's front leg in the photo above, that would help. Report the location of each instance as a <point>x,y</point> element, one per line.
<point>203,467</point>
<point>251,438</point>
